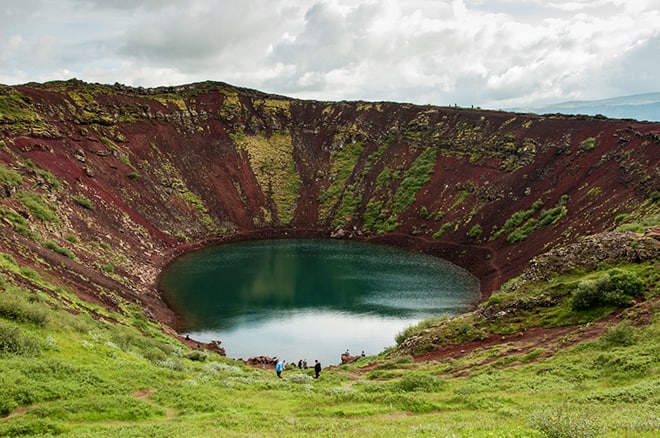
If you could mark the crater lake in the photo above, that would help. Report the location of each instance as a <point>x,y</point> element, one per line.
<point>310,299</point>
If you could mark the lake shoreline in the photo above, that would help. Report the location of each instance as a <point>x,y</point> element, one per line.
<point>201,336</point>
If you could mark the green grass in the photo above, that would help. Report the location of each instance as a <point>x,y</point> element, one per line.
<point>414,178</point>
<point>84,202</point>
<point>382,213</point>
<point>65,371</point>
<point>41,210</point>
<point>272,162</point>
<point>522,223</point>
<point>343,163</point>
<point>10,178</point>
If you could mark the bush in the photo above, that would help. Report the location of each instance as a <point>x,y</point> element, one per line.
<point>562,423</point>
<point>32,427</point>
<point>615,288</point>
<point>626,282</point>
<point>409,403</point>
<point>621,334</point>
<point>639,393</point>
<point>16,308</point>
<point>31,274</point>
<point>419,382</point>
<point>475,232</point>
<point>197,355</point>
<point>587,294</point>
<point>299,378</point>
<point>15,341</point>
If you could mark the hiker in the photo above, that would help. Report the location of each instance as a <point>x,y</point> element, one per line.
<point>317,369</point>
<point>279,368</point>
<point>305,363</point>
<point>300,364</point>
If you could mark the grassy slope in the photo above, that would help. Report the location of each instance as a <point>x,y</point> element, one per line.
<point>67,367</point>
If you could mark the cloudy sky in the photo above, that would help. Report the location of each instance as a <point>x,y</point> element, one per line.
<point>493,54</point>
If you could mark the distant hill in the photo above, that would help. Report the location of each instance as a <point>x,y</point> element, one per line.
<point>639,106</point>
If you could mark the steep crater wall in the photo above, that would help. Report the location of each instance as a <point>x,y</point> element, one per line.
<point>102,185</point>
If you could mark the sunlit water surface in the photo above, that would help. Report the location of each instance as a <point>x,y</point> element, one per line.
<point>310,299</point>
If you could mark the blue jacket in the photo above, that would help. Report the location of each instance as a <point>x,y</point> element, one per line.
<point>279,366</point>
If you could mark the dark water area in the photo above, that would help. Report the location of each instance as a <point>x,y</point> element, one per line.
<point>310,299</point>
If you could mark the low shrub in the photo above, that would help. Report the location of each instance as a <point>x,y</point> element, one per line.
<point>197,355</point>
<point>300,378</point>
<point>621,334</point>
<point>615,288</point>
<point>84,202</point>
<point>32,427</point>
<point>59,249</point>
<point>475,232</point>
<point>564,423</point>
<point>409,403</point>
<point>639,393</point>
<point>395,362</point>
<point>31,274</point>
<point>416,381</point>
<point>15,307</point>
<point>16,341</point>
<point>10,177</point>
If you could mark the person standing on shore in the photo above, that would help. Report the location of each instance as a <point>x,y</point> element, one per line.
<point>317,369</point>
<point>279,368</point>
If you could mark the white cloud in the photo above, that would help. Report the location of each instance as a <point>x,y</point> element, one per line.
<point>490,53</point>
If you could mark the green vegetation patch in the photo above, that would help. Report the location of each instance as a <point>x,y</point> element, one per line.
<point>55,247</point>
<point>43,176</point>
<point>614,288</point>
<point>588,144</point>
<point>343,163</point>
<point>76,375</point>
<point>39,208</point>
<point>16,111</point>
<point>273,164</point>
<point>19,306</point>
<point>381,215</point>
<point>10,178</point>
<point>84,202</point>
<point>521,224</point>
<point>414,179</point>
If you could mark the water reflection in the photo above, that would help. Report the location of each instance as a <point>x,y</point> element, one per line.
<point>276,295</point>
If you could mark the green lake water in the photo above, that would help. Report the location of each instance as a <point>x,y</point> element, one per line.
<point>310,299</point>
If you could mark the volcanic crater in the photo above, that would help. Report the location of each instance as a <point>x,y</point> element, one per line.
<point>103,185</point>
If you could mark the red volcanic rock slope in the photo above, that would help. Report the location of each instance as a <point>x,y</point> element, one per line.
<point>100,185</point>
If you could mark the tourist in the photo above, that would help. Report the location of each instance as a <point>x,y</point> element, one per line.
<point>279,368</point>
<point>317,369</point>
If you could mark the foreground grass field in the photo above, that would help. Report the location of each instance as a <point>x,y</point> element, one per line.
<point>70,368</point>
